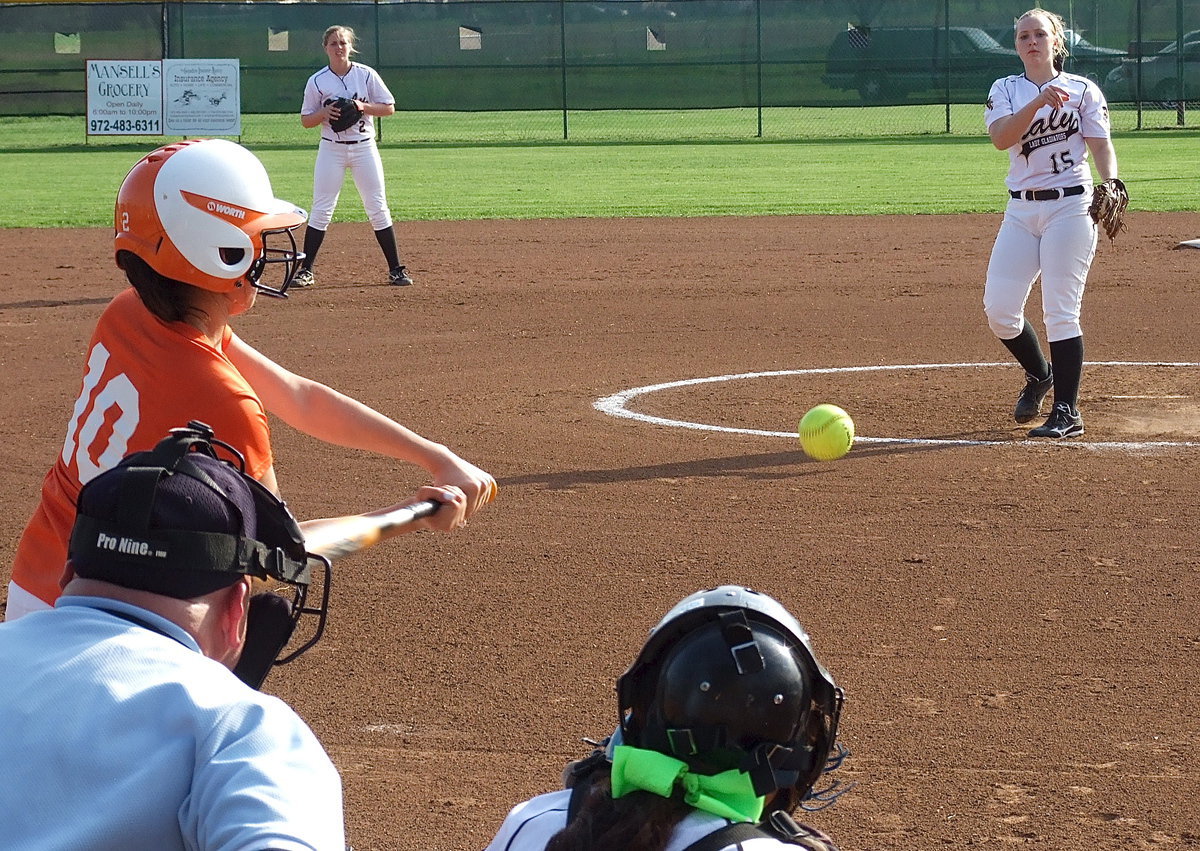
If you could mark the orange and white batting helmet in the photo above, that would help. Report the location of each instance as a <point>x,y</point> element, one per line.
<point>200,212</point>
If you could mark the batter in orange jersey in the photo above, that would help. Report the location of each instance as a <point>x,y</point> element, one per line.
<point>133,393</point>
<point>191,226</point>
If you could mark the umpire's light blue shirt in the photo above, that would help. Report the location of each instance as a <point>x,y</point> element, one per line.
<point>116,734</point>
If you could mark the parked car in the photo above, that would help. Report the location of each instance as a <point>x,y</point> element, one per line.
<point>886,63</point>
<point>1160,77</point>
<point>1083,57</point>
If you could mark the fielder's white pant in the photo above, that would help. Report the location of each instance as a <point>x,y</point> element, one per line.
<point>329,174</point>
<point>1055,238</point>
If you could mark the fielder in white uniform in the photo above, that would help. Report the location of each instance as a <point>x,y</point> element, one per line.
<point>1048,121</point>
<point>353,149</point>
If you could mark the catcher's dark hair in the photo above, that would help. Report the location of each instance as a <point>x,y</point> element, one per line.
<point>168,299</point>
<point>639,821</point>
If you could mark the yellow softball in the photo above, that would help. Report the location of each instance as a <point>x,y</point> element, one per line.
<point>826,433</point>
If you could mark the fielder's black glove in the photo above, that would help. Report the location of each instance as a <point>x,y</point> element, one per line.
<point>348,114</point>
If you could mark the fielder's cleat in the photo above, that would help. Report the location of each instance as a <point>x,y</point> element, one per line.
<point>1029,403</point>
<point>1064,421</point>
<point>399,277</point>
<point>303,278</point>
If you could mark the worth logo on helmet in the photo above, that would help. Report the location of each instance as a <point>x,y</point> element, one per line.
<point>219,208</point>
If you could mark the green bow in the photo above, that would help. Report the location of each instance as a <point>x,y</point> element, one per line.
<point>729,794</point>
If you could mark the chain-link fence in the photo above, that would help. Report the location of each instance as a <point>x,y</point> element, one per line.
<point>563,60</point>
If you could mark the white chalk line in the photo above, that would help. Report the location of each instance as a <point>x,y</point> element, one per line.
<point>616,406</point>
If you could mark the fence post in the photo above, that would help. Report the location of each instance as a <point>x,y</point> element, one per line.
<point>1180,103</point>
<point>1136,89</point>
<point>759,62</point>
<point>377,119</point>
<point>946,48</point>
<point>562,58</point>
<point>165,36</point>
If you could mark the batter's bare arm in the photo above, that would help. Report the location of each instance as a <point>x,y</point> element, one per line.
<point>436,509</point>
<point>334,417</point>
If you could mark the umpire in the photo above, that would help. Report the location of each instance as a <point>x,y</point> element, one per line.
<point>123,724</point>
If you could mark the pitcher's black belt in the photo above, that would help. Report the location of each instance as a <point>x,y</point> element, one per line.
<point>356,141</point>
<point>1047,194</point>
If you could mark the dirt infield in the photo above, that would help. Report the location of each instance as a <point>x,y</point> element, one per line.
<point>1016,626</point>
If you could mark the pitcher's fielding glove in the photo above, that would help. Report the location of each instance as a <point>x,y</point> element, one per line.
<point>348,114</point>
<point>1109,200</point>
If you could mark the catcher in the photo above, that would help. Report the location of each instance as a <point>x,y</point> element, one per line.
<point>1050,123</point>
<point>343,99</point>
<point>726,722</point>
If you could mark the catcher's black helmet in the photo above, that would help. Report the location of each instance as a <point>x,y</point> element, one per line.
<point>728,680</point>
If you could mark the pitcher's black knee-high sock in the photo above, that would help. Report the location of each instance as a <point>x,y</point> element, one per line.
<point>1067,357</point>
<point>1028,352</point>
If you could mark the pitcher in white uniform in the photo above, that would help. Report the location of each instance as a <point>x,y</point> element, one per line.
<point>1048,121</point>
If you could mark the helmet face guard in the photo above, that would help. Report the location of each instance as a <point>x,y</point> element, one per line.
<point>200,212</point>
<point>728,680</point>
<point>276,614</point>
<point>289,257</point>
<point>274,619</point>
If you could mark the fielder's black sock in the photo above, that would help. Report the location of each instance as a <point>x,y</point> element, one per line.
<point>387,241</point>
<point>1028,352</point>
<point>312,244</point>
<point>1067,356</point>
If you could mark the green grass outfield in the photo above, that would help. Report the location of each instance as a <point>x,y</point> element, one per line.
<point>516,165</point>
